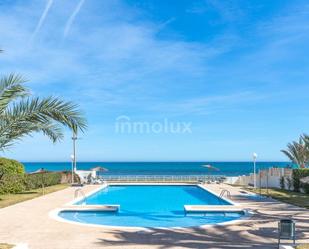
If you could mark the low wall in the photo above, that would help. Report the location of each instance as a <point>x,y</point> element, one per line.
<point>265,178</point>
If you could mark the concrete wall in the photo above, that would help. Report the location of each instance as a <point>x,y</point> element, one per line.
<point>266,178</point>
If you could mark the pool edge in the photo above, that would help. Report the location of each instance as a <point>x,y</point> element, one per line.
<point>54,214</point>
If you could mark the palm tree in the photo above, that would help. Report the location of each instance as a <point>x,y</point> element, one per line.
<point>306,141</point>
<point>22,115</point>
<point>297,152</point>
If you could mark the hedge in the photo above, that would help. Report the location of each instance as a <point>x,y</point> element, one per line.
<point>33,181</point>
<point>297,175</point>
<point>11,176</point>
<point>10,166</point>
<point>14,180</point>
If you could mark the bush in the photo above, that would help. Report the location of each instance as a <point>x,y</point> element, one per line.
<point>11,176</point>
<point>289,183</point>
<point>12,184</point>
<point>33,181</point>
<point>296,176</point>
<point>67,177</point>
<point>282,182</point>
<point>14,180</point>
<point>304,246</point>
<point>11,167</point>
<point>305,187</point>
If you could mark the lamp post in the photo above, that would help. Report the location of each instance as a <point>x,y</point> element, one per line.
<point>254,169</point>
<point>72,160</point>
<point>74,138</point>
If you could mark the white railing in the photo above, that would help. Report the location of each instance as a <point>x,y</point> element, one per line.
<point>163,178</point>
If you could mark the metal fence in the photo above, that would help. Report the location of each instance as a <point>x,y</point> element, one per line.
<point>163,178</point>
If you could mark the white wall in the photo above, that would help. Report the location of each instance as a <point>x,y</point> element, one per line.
<point>266,178</point>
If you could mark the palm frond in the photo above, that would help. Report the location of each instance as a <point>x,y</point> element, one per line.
<point>11,88</point>
<point>297,152</point>
<point>20,116</point>
<point>288,154</point>
<point>305,138</point>
<point>46,109</point>
<point>10,132</point>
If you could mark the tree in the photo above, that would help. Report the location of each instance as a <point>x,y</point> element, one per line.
<point>11,176</point>
<point>297,152</point>
<point>22,115</point>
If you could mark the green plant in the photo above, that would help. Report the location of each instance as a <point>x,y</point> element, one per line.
<point>282,182</point>
<point>296,176</point>
<point>12,184</point>
<point>305,187</point>
<point>298,152</point>
<point>10,166</point>
<point>34,181</point>
<point>11,176</point>
<point>304,246</point>
<point>289,183</point>
<point>21,115</point>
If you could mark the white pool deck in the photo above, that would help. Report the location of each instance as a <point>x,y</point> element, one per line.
<point>98,208</point>
<point>213,208</point>
<point>29,222</point>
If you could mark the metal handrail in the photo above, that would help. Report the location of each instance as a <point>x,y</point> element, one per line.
<point>228,193</point>
<point>79,190</point>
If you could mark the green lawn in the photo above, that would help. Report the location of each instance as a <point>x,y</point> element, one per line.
<point>10,199</point>
<point>303,246</point>
<point>298,199</point>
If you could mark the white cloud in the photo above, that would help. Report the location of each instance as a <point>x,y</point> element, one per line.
<point>72,17</point>
<point>42,19</point>
<point>107,54</point>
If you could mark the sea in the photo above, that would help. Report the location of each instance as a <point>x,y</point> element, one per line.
<point>160,168</point>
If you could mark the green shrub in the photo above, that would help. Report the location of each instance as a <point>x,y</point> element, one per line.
<point>289,183</point>
<point>305,187</point>
<point>11,176</point>
<point>11,184</point>
<point>304,246</point>
<point>296,176</point>
<point>14,180</point>
<point>11,167</point>
<point>33,181</point>
<point>67,177</point>
<point>282,182</point>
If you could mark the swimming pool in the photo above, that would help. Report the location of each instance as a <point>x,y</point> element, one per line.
<point>151,206</point>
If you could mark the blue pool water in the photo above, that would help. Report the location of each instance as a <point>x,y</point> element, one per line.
<point>151,206</point>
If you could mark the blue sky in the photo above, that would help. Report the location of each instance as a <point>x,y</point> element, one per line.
<point>237,71</point>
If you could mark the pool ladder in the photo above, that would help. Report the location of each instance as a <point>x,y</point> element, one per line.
<point>225,191</point>
<point>77,191</point>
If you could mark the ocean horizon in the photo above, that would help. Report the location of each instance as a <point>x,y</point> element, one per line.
<point>160,168</point>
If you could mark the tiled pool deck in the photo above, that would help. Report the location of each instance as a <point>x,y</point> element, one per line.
<point>29,222</point>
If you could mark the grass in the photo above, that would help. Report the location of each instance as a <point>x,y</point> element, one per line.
<point>295,198</point>
<point>306,246</point>
<point>6,246</point>
<point>10,199</point>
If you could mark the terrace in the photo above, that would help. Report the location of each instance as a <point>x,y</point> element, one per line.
<point>29,222</point>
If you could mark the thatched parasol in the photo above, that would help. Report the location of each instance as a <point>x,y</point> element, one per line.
<point>39,171</point>
<point>100,169</point>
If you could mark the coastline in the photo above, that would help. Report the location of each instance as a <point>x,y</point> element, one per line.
<point>159,168</point>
